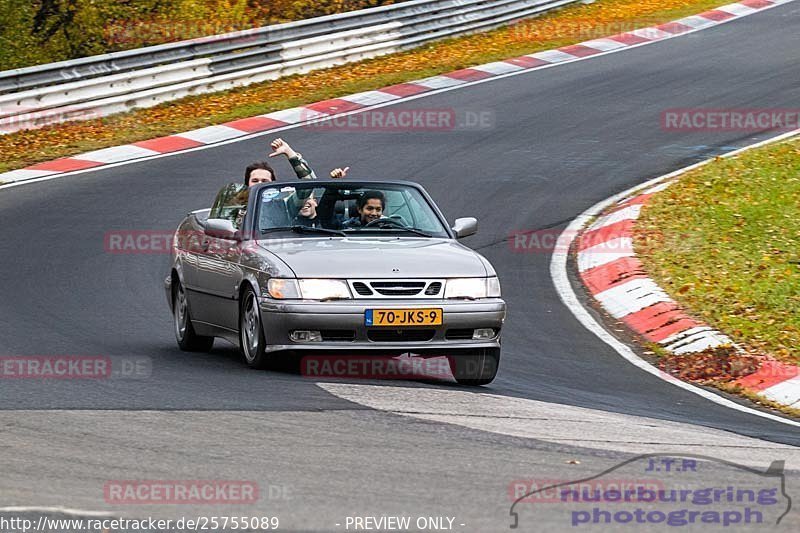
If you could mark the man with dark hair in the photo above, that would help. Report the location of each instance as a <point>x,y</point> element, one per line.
<point>370,206</point>
<point>258,172</point>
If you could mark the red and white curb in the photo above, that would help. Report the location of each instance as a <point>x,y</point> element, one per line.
<point>615,277</point>
<point>262,124</point>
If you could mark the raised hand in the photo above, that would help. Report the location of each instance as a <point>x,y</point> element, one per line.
<point>279,146</point>
<point>338,173</point>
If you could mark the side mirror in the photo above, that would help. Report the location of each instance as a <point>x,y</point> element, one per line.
<point>464,227</point>
<point>221,229</point>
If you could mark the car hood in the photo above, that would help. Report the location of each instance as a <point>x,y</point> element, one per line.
<point>378,257</point>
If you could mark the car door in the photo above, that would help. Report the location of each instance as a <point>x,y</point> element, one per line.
<point>217,270</point>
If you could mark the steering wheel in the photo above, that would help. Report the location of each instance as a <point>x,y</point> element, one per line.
<point>400,219</point>
<point>389,221</point>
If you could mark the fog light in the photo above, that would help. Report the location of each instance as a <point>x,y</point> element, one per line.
<point>482,334</point>
<point>304,335</point>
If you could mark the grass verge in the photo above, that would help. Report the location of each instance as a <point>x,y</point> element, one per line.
<point>569,25</point>
<point>723,240</point>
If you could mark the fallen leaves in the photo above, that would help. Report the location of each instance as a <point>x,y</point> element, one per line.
<point>571,24</point>
<point>719,364</point>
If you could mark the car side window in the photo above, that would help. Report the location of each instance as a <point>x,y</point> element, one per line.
<point>230,204</point>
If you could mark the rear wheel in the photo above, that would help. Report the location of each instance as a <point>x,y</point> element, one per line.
<point>188,340</point>
<point>251,334</point>
<point>475,369</point>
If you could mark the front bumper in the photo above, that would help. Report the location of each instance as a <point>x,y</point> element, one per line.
<point>280,318</point>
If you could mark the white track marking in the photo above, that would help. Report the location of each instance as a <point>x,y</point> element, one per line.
<point>631,212</point>
<point>116,154</point>
<point>787,393</point>
<point>558,272</point>
<point>369,98</point>
<point>737,9</point>
<point>553,56</point>
<point>439,82</point>
<point>562,424</point>
<point>631,296</point>
<point>605,45</point>
<point>498,67</point>
<point>296,113</point>
<point>605,252</point>
<point>212,134</point>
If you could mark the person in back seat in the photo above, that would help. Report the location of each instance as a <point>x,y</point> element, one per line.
<point>262,172</point>
<point>307,215</point>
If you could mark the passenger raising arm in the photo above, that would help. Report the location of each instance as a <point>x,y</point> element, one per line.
<point>301,167</point>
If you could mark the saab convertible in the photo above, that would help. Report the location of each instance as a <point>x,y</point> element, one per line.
<point>335,268</point>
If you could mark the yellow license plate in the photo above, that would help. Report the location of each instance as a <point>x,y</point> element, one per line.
<point>403,317</point>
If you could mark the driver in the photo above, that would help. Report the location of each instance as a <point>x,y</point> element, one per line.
<point>370,206</point>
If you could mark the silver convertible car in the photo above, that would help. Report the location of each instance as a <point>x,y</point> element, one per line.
<point>335,268</point>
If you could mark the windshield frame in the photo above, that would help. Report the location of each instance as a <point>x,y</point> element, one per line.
<point>254,206</point>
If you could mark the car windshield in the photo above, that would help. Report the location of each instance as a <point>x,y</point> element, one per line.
<point>347,209</point>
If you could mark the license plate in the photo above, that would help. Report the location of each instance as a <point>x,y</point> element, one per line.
<point>403,317</point>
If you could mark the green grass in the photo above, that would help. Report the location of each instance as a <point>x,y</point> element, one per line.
<point>722,241</point>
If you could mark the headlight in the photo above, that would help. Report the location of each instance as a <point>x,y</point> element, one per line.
<point>324,289</point>
<point>472,288</point>
<point>283,289</point>
<point>308,289</point>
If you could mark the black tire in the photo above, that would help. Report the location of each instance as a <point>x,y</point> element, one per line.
<point>251,334</point>
<point>188,340</point>
<point>475,369</point>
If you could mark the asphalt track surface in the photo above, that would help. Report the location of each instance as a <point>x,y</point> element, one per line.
<point>561,140</point>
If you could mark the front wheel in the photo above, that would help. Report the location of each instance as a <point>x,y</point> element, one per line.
<point>475,369</point>
<point>188,340</point>
<point>251,334</point>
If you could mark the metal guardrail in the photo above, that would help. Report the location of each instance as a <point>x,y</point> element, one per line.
<point>121,81</point>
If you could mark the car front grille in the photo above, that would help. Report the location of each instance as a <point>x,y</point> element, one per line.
<point>400,335</point>
<point>397,288</point>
